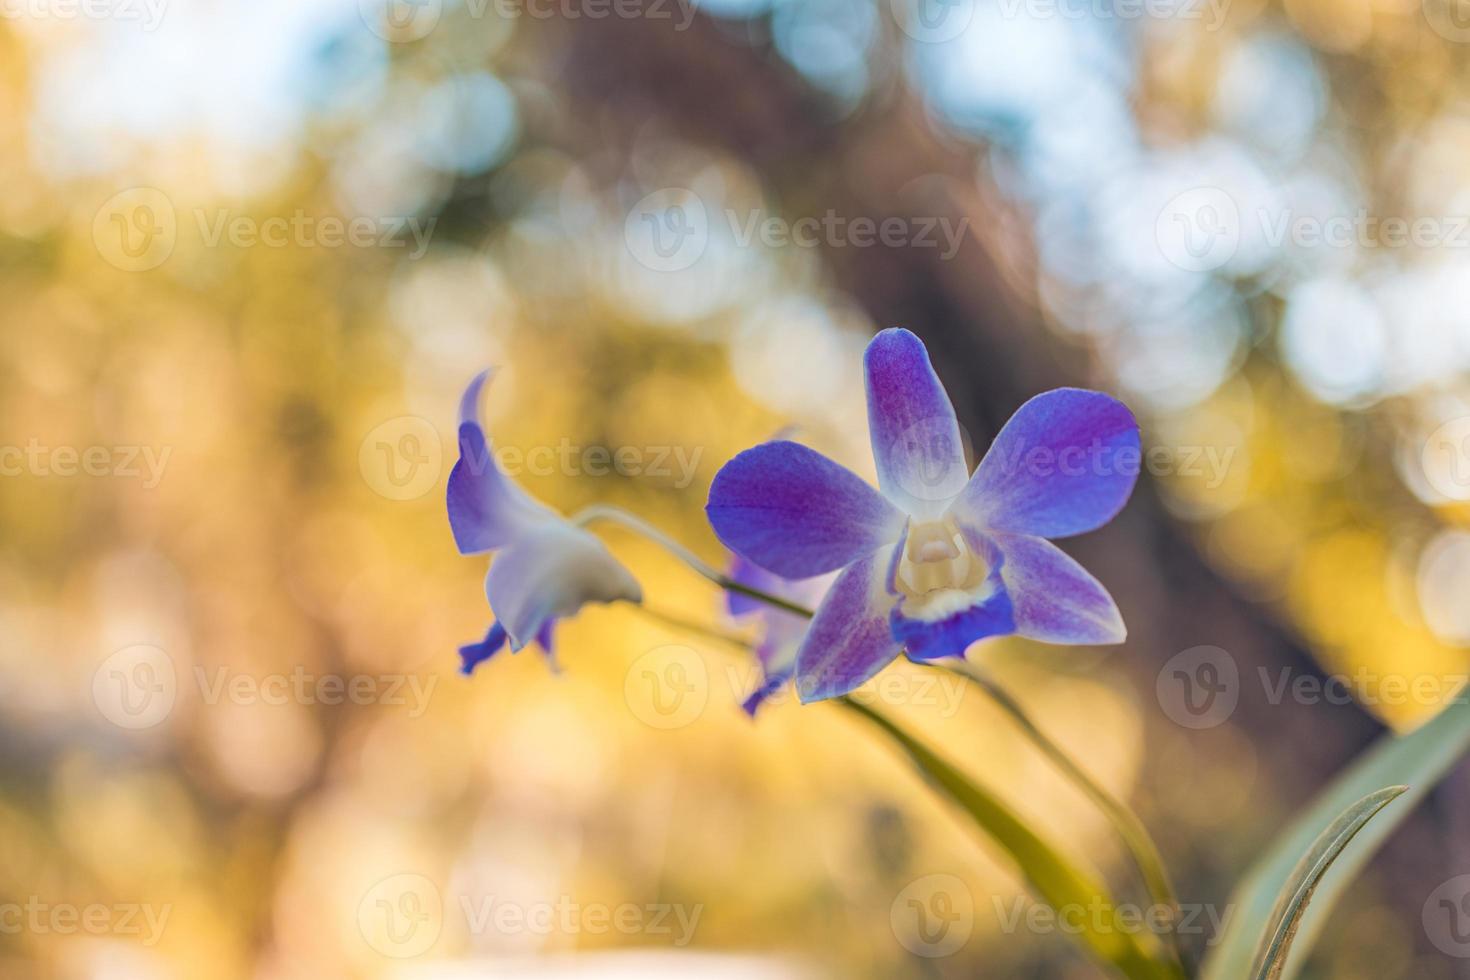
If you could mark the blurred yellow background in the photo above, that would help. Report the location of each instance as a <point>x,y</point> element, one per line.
<point>252,252</point>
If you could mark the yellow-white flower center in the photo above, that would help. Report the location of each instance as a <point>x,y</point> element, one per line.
<point>939,571</point>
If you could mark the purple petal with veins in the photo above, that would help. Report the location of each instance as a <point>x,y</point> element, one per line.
<point>794,512</point>
<point>1065,463</point>
<point>1056,600</point>
<point>916,439</point>
<point>849,640</point>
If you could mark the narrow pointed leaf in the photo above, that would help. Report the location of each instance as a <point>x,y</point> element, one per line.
<point>1304,880</point>
<point>1129,827</point>
<point>1418,759</point>
<point>1054,878</point>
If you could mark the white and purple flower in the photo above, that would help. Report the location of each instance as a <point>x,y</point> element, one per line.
<point>545,567</point>
<point>781,629</point>
<point>939,558</point>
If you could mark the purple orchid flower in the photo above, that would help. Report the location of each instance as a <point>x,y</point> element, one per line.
<point>545,567</point>
<point>939,559</point>
<point>781,630</point>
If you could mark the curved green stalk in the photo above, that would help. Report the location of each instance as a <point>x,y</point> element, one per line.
<point>616,515</point>
<point>1052,877</point>
<point>675,621</point>
<point>1130,828</point>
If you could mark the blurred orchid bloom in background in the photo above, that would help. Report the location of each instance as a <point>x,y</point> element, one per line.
<point>939,559</point>
<point>781,629</point>
<point>545,567</point>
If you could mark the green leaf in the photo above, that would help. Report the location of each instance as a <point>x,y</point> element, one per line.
<point>1418,759</point>
<point>1053,878</point>
<point>1305,878</point>
<point>1129,827</point>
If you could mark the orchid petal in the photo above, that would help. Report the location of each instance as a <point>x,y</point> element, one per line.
<point>1055,599</point>
<point>748,573</point>
<point>546,641</point>
<point>474,654</point>
<point>849,639</point>
<point>916,438</point>
<point>781,630</point>
<point>486,510</point>
<point>1065,463</point>
<point>777,655</point>
<point>551,572</point>
<point>795,512</point>
<point>770,685</point>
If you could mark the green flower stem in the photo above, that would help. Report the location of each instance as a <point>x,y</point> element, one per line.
<point>675,621</point>
<point>615,515</point>
<point>1054,879</point>
<point>1129,827</point>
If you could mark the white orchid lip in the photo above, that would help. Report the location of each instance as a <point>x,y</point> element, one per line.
<point>939,572</point>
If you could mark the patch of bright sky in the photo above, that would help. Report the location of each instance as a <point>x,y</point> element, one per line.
<point>1443,581</point>
<point>469,123</point>
<point>1270,93</point>
<point>1334,338</point>
<point>828,41</point>
<point>1007,68</point>
<point>239,76</point>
